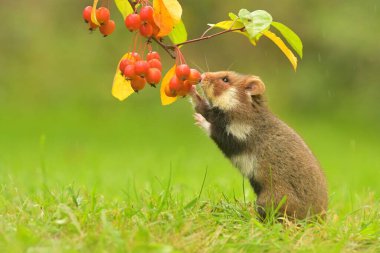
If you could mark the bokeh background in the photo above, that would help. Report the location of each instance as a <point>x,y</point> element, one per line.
<point>59,124</point>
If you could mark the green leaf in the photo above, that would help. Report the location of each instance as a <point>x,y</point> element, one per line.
<point>124,7</point>
<point>255,22</point>
<point>290,36</point>
<point>179,33</point>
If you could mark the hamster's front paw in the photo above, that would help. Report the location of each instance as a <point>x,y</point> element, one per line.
<point>195,97</point>
<point>202,123</point>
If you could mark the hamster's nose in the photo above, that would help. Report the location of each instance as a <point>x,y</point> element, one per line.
<point>203,76</point>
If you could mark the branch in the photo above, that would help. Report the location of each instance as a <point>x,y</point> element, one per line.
<point>167,48</point>
<point>170,49</point>
<point>209,36</point>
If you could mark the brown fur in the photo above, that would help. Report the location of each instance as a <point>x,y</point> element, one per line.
<point>284,165</point>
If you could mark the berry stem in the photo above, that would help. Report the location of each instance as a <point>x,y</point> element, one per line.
<point>136,41</point>
<point>133,4</point>
<point>105,3</point>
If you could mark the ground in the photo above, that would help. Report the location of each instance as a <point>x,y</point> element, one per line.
<point>89,178</point>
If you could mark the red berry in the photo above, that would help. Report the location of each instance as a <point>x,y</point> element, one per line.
<point>153,76</point>
<point>133,22</point>
<point>87,14</point>
<point>175,84</point>
<point>146,30</point>
<point>169,92</point>
<point>102,15</point>
<point>182,71</point>
<point>129,71</point>
<point>186,87</point>
<point>138,83</point>
<point>135,56</point>
<point>153,55</point>
<point>107,28</point>
<point>141,68</point>
<point>146,14</point>
<point>123,63</point>
<point>194,76</point>
<point>155,64</point>
<point>93,26</point>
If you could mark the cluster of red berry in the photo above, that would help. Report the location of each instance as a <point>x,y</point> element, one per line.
<point>180,84</point>
<point>139,71</point>
<point>144,22</point>
<point>136,70</point>
<point>107,26</point>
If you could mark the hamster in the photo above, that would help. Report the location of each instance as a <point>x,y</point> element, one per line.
<point>275,159</point>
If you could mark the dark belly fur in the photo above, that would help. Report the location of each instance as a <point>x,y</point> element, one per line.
<point>229,145</point>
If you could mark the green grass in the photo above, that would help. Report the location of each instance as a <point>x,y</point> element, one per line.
<point>106,178</point>
<point>74,219</point>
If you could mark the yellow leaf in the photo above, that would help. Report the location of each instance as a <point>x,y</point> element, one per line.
<point>174,9</point>
<point>276,40</point>
<point>121,88</point>
<point>124,7</point>
<point>93,13</point>
<point>231,24</point>
<point>167,13</point>
<point>165,100</point>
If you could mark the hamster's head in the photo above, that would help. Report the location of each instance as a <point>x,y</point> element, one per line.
<point>229,90</point>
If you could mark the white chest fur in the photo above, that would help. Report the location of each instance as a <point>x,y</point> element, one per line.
<point>246,163</point>
<point>239,130</point>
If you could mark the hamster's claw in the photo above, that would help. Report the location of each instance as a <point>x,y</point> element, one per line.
<point>202,123</point>
<point>193,89</point>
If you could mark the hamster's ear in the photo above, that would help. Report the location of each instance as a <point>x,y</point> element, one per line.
<point>254,86</point>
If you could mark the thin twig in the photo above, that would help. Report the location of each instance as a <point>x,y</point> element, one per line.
<point>204,34</point>
<point>210,36</point>
<point>168,49</point>
<point>212,27</point>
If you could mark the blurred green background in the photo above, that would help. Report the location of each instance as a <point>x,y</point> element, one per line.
<point>59,124</point>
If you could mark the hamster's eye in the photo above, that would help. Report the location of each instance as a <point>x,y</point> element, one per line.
<point>225,79</point>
